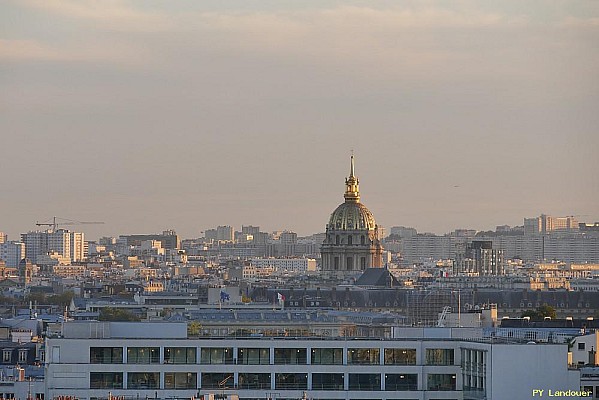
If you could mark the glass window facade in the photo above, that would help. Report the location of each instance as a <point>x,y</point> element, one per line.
<point>143,355</point>
<point>399,382</point>
<point>143,380</point>
<point>400,356</point>
<point>180,355</point>
<point>106,355</point>
<point>106,380</point>
<point>254,381</point>
<point>327,356</point>
<point>180,380</point>
<point>474,371</point>
<point>291,381</point>
<point>365,382</point>
<point>290,356</point>
<point>253,356</point>
<point>216,355</point>
<point>441,382</point>
<point>218,380</point>
<point>363,356</point>
<point>327,381</point>
<point>439,356</point>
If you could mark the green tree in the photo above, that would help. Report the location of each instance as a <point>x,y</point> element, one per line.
<point>39,298</point>
<point>63,299</point>
<point>194,328</point>
<point>117,314</point>
<point>5,300</point>
<point>540,313</point>
<point>547,311</point>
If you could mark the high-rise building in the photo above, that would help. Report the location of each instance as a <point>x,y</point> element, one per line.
<point>3,237</point>
<point>12,253</point>
<point>403,231</point>
<point>479,257</point>
<point>40,243</point>
<point>545,224</point>
<point>352,239</point>
<point>250,230</point>
<point>169,239</point>
<point>77,246</point>
<point>225,233</point>
<point>287,243</point>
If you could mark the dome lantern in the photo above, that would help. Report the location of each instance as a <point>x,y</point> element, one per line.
<point>352,188</point>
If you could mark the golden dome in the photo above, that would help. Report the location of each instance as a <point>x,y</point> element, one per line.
<point>352,215</point>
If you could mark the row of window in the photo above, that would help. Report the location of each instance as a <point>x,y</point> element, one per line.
<point>350,240</point>
<point>11,396</point>
<point>261,356</point>
<point>283,381</point>
<point>7,355</point>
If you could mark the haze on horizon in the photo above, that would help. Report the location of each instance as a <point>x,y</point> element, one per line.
<point>151,115</point>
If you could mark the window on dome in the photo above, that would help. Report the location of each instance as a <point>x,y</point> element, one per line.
<point>349,240</point>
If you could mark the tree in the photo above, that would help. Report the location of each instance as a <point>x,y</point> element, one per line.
<point>5,300</point>
<point>547,311</point>
<point>62,300</point>
<point>540,313</point>
<point>117,314</point>
<point>35,298</point>
<point>194,328</point>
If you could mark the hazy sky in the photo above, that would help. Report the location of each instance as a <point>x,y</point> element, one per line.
<point>150,115</point>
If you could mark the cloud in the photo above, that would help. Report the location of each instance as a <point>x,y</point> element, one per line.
<point>400,35</point>
<point>576,22</point>
<point>27,50</point>
<point>101,52</point>
<point>114,15</point>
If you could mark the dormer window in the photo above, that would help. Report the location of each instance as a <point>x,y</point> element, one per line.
<point>6,356</point>
<point>22,356</point>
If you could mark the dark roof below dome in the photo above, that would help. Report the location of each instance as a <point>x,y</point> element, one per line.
<point>377,277</point>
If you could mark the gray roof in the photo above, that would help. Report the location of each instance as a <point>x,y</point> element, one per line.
<point>377,277</point>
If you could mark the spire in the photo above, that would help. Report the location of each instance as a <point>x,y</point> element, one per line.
<point>352,190</point>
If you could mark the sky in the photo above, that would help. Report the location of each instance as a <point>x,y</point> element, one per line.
<point>151,115</point>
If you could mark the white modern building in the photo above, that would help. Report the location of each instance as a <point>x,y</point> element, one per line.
<point>77,246</point>
<point>61,241</point>
<point>136,360</point>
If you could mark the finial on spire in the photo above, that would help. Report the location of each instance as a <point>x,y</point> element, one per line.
<point>351,171</point>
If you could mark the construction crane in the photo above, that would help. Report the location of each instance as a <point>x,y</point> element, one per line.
<point>55,224</point>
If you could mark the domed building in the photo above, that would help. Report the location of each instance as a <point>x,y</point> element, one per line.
<point>352,241</point>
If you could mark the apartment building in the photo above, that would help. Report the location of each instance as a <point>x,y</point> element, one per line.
<point>12,253</point>
<point>61,241</point>
<point>286,265</point>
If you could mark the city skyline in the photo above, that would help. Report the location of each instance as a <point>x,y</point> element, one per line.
<point>74,226</point>
<point>187,116</point>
